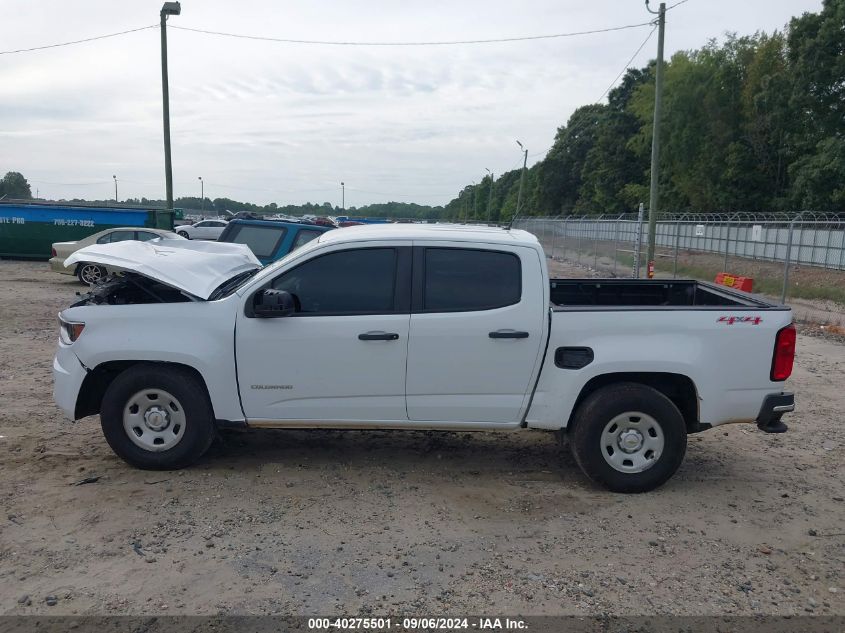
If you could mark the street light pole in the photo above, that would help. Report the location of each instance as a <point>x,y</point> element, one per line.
<point>490,196</point>
<point>343,196</point>
<point>655,138</point>
<point>521,179</point>
<point>169,8</point>
<point>202,195</point>
<point>115,187</point>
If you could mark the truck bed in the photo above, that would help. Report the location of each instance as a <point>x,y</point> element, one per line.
<point>569,294</point>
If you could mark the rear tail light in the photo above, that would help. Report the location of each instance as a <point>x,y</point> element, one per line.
<point>784,354</point>
<point>69,331</point>
<point>53,252</point>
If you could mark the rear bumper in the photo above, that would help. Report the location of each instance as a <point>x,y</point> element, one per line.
<point>774,406</point>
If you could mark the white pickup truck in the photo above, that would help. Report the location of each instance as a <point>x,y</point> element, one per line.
<point>415,327</point>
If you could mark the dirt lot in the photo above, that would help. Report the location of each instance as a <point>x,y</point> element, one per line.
<point>407,522</point>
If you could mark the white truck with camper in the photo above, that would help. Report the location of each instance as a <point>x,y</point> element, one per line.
<point>414,327</point>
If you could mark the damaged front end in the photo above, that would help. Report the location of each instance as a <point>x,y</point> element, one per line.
<point>128,288</point>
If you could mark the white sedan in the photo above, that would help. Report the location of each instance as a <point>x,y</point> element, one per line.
<point>202,230</point>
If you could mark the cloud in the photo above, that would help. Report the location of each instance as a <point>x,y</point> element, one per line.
<point>268,122</point>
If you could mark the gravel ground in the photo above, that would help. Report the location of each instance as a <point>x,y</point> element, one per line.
<point>307,522</point>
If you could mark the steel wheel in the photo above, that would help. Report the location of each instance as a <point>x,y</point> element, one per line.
<point>154,420</point>
<point>632,442</point>
<point>91,273</point>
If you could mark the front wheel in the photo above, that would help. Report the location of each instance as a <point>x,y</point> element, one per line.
<point>183,234</point>
<point>157,418</point>
<point>628,437</point>
<point>90,273</point>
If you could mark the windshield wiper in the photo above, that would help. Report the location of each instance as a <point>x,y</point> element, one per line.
<point>227,287</point>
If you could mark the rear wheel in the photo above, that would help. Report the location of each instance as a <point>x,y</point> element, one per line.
<point>628,437</point>
<point>156,417</point>
<point>90,273</point>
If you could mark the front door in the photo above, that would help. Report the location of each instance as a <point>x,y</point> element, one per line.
<point>341,356</point>
<point>476,333</point>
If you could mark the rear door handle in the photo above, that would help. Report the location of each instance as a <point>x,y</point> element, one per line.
<point>378,336</point>
<point>508,334</point>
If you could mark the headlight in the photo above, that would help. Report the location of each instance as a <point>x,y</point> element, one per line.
<point>69,331</point>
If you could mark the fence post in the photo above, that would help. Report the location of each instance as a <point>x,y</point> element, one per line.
<point>639,242</point>
<point>677,239</point>
<point>554,234</point>
<point>597,225</point>
<point>727,242</point>
<point>786,259</point>
<point>616,244</point>
<point>565,235</point>
<point>580,232</point>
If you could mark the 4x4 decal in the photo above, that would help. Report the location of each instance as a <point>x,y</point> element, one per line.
<point>730,320</point>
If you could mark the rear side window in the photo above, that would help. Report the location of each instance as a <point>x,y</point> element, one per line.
<point>461,280</point>
<point>263,241</point>
<point>358,281</point>
<point>119,236</point>
<point>303,237</point>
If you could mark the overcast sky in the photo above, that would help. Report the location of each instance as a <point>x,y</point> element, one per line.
<point>271,122</point>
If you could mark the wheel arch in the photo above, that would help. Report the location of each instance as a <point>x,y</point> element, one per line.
<point>680,389</point>
<point>98,379</point>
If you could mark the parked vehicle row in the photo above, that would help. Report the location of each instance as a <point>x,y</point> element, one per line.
<point>410,326</point>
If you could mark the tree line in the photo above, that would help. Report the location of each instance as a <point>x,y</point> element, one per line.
<point>756,123</point>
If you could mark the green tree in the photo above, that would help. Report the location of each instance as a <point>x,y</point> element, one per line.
<point>15,187</point>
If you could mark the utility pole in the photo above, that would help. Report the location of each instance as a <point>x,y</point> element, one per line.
<point>490,196</point>
<point>343,196</point>
<point>474,200</point>
<point>655,138</point>
<point>169,8</point>
<point>115,187</point>
<point>521,178</point>
<point>202,195</point>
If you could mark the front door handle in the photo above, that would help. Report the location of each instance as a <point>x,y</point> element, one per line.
<point>508,334</point>
<point>378,336</point>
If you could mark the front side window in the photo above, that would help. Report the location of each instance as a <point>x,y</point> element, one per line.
<point>145,236</point>
<point>358,281</point>
<point>263,241</point>
<point>461,280</point>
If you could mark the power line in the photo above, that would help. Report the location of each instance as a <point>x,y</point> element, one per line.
<point>628,65</point>
<point>523,38</point>
<point>677,4</point>
<point>422,43</point>
<point>88,39</point>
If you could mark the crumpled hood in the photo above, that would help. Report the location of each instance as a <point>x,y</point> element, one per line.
<point>195,267</point>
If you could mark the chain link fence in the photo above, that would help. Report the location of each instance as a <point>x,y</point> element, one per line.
<point>798,258</point>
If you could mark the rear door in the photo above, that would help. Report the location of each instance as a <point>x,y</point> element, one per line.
<point>477,326</point>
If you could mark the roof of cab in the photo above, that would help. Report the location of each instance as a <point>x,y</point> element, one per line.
<point>440,232</point>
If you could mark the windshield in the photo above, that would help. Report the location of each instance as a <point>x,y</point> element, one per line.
<point>232,285</point>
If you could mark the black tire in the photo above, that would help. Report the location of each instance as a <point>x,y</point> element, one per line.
<point>90,273</point>
<point>199,429</point>
<point>605,404</point>
<point>183,234</point>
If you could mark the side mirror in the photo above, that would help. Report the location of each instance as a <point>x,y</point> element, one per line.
<point>270,303</point>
